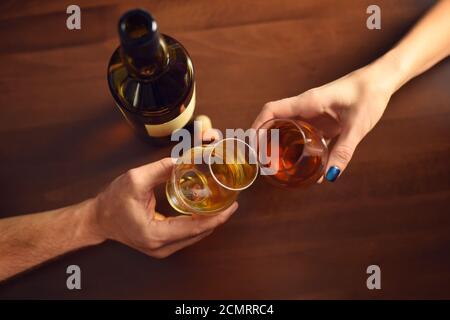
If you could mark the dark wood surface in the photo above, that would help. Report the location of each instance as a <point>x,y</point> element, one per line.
<point>61,141</point>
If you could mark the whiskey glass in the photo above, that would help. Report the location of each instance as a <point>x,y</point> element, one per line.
<point>291,153</point>
<point>207,179</point>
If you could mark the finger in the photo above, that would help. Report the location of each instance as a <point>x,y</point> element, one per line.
<point>306,105</point>
<point>211,135</point>
<point>265,115</point>
<point>341,154</point>
<point>182,227</point>
<point>320,180</point>
<point>277,109</point>
<point>154,173</point>
<point>169,249</point>
<point>322,177</point>
<point>204,121</point>
<point>204,130</point>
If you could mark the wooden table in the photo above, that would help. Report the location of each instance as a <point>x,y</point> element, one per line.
<point>62,140</point>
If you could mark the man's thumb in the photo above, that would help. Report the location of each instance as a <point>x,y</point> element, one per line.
<point>156,172</point>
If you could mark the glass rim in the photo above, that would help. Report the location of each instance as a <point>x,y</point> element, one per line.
<point>295,122</point>
<point>179,196</point>
<point>214,144</point>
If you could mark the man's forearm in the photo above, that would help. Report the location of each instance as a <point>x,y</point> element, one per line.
<point>29,240</point>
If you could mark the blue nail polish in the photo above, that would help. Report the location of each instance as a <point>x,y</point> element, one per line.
<point>332,173</point>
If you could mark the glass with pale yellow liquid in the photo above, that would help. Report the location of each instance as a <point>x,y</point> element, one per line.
<point>207,179</point>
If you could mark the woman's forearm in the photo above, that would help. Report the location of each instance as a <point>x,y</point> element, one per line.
<point>427,43</point>
<point>29,240</point>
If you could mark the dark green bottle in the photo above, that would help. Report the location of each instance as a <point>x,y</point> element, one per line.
<point>151,77</point>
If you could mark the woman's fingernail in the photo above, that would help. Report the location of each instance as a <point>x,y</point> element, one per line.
<point>332,173</point>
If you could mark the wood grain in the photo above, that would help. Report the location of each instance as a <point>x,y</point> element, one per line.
<point>62,141</point>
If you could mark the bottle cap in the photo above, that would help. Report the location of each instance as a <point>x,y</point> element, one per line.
<point>138,30</point>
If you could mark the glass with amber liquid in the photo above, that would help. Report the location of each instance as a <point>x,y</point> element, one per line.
<point>292,153</point>
<point>208,178</point>
<point>151,78</point>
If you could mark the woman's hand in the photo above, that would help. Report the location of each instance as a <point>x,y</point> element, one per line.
<point>125,212</point>
<point>346,109</point>
<point>349,107</point>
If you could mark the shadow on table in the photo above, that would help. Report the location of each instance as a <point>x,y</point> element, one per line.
<point>51,166</point>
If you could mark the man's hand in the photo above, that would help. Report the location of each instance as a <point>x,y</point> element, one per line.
<point>125,212</point>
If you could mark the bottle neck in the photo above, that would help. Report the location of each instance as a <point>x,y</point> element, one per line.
<point>143,61</point>
<point>143,50</point>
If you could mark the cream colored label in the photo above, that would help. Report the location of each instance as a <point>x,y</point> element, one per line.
<point>166,129</point>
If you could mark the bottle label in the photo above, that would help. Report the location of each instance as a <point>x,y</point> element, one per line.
<point>166,129</point>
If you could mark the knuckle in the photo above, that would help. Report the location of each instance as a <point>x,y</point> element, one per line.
<point>132,176</point>
<point>314,98</point>
<point>222,218</point>
<point>312,94</point>
<point>196,231</point>
<point>162,167</point>
<point>160,254</point>
<point>153,245</point>
<point>343,153</point>
<point>164,164</point>
<point>268,106</point>
<point>159,239</point>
